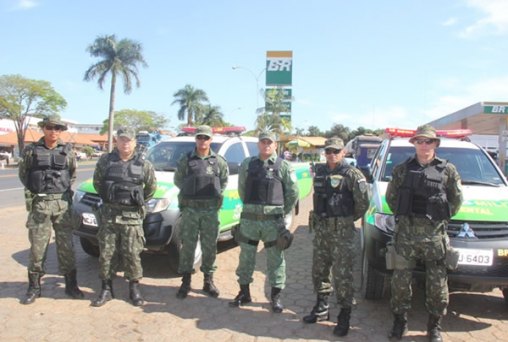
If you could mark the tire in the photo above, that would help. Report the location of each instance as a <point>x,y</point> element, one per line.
<point>373,282</point>
<point>174,250</point>
<point>89,248</point>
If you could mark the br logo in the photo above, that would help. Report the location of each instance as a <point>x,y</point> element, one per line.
<point>279,65</point>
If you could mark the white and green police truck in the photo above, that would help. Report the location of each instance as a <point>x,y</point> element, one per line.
<point>479,231</point>
<point>161,222</point>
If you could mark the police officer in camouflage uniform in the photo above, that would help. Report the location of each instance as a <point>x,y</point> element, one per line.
<point>47,169</point>
<point>425,191</point>
<point>201,176</point>
<point>340,198</point>
<point>125,181</point>
<point>268,189</point>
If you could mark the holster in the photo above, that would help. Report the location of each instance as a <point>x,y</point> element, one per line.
<point>452,257</point>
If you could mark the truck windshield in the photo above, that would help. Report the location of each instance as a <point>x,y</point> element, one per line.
<point>473,165</point>
<point>165,156</point>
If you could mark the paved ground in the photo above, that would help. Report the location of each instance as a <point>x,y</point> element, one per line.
<point>478,317</point>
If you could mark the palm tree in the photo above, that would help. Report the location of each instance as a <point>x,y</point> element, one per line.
<point>120,59</point>
<point>190,101</point>
<point>212,116</point>
<point>271,118</point>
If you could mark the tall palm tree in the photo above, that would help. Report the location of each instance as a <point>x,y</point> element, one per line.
<point>190,101</point>
<point>120,59</point>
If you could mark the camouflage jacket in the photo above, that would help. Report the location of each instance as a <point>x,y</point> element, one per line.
<point>289,183</point>
<point>451,178</point>
<point>149,182</point>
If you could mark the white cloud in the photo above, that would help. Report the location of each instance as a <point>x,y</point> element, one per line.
<point>21,5</point>
<point>450,22</point>
<point>495,17</point>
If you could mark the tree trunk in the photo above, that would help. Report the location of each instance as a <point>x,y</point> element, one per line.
<point>111,112</point>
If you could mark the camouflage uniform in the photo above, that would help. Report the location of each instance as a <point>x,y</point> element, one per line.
<point>264,223</point>
<point>200,216</point>
<point>334,239</point>
<point>420,238</point>
<point>49,209</point>
<point>121,237</point>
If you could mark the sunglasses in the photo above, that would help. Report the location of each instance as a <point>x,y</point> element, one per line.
<point>53,128</point>
<point>331,150</point>
<point>424,141</point>
<point>203,137</point>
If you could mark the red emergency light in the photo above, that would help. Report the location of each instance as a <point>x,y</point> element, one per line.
<point>217,130</point>
<point>445,133</point>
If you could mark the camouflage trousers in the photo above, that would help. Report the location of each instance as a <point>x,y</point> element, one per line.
<point>265,231</point>
<point>121,241</point>
<point>44,216</point>
<point>202,224</point>
<point>431,250</point>
<point>332,257</point>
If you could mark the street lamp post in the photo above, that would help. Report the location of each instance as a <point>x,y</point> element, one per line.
<point>256,77</point>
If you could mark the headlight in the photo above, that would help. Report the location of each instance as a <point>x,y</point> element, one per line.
<point>384,222</point>
<point>157,204</point>
<point>78,195</point>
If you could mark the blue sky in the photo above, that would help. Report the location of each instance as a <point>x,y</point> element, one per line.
<point>363,63</point>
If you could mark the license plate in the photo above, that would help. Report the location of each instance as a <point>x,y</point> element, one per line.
<point>475,257</point>
<point>89,219</point>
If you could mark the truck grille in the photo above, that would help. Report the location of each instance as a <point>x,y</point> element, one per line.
<point>482,230</point>
<point>91,200</point>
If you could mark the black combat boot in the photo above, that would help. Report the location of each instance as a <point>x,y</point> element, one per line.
<point>243,297</point>
<point>319,311</point>
<point>342,327</point>
<point>434,328</point>
<point>34,288</point>
<point>185,287</point>
<point>277,306</point>
<point>399,328</point>
<point>135,293</point>
<point>71,286</point>
<point>106,293</point>
<point>209,287</point>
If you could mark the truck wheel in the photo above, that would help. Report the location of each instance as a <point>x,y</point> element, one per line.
<point>89,247</point>
<point>174,250</point>
<point>373,282</point>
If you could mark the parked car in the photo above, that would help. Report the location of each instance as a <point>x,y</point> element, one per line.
<point>7,156</point>
<point>479,231</point>
<point>162,221</point>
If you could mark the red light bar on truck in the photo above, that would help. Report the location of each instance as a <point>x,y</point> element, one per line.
<point>445,133</point>
<point>217,130</point>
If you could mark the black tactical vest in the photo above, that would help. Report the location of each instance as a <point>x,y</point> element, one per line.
<point>332,197</point>
<point>50,172</point>
<point>264,184</point>
<point>423,192</point>
<point>123,181</point>
<point>203,178</point>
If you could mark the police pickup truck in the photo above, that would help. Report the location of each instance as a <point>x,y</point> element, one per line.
<point>161,223</point>
<point>479,231</point>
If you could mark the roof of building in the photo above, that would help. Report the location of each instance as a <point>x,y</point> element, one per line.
<point>68,137</point>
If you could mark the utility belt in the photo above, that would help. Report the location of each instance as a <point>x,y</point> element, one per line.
<point>260,217</point>
<point>48,197</point>
<point>199,204</point>
<point>123,207</point>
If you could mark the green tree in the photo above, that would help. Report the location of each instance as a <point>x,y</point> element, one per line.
<point>191,102</point>
<point>138,119</point>
<point>211,116</point>
<point>117,59</point>
<point>340,131</point>
<point>314,131</point>
<point>21,98</point>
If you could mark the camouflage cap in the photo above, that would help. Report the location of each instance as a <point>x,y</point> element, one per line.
<point>54,120</point>
<point>204,130</point>
<point>126,132</point>
<point>267,135</point>
<point>334,142</point>
<point>425,131</point>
